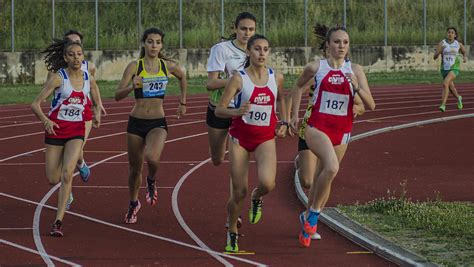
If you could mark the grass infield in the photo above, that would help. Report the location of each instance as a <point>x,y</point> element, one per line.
<point>442,232</point>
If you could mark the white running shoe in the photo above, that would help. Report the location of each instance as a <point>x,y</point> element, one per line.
<point>316,236</point>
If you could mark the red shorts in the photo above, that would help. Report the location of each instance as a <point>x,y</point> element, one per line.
<point>337,138</point>
<point>88,110</point>
<point>249,144</point>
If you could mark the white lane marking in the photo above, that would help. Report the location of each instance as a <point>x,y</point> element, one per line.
<point>103,124</point>
<point>130,230</point>
<point>14,229</point>
<point>38,210</point>
<point>37,252</point>
<point>180,218</point>
<point>408,115</point>
<point>22,154</point>
<point>189,162</point>
<point>116,187</point>
<point>95,138</point>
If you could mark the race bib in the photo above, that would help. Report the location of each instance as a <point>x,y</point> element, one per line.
<point>155,86</point>
<point>71,112</point>
<point>334,104</point>
<point>258,115</point>
<point>448,61</point>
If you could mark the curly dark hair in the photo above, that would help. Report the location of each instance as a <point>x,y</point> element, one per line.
<point>54,58</point>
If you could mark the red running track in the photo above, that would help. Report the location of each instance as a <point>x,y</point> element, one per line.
<point>187,225</point>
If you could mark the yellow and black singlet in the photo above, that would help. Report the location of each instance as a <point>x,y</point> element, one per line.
<point>154,85</point>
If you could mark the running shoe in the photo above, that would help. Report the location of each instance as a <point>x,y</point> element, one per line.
<point>69,201</point>
<point>151,193</point>
<point>310,225</point>
<point>57,230</point>
<point>131,215</point>
<point>85,172</point>
<point>239,222</point>
<point>316,236</point>
<point>232,242</point>
<point>255,212</point>
<point>460,106</point>
<point>304,238</point>
<point>442,108</point>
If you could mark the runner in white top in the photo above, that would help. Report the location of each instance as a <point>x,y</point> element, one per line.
<point>225,57</point>
<point>449,48</point>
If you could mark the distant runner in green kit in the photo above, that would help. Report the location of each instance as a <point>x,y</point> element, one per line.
<point>449,48</point>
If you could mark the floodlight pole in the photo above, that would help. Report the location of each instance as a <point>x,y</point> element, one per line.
<point>385,21</point>
<point>222,18</point>
<point>264,20</point>
<point>305,23</point>
<point>424,22</point>
<point>465,22</point>
<point>96,24</point>
<point>13,26</point>
<point>54,26</point>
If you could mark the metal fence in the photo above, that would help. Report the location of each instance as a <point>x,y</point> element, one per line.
<point>117,24</point>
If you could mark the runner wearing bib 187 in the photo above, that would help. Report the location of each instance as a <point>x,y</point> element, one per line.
<point>255,91</point>
<point>337,82</point>
<point>450,48</point>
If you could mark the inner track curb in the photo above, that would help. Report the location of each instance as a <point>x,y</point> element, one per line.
<point>357,233</point>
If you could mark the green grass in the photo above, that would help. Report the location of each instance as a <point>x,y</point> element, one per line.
<point>119,28</point>
<point>442,232</point>
<point>25,93</point>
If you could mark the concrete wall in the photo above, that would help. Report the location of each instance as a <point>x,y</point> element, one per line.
<point>28,67</point>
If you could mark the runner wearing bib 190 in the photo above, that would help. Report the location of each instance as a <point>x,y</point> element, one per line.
<point>255,91</point>
<point>258,125</point>
<point>450,49</point>
<point>333,101</point>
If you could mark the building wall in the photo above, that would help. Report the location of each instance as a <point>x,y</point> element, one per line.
<point>28,67</point>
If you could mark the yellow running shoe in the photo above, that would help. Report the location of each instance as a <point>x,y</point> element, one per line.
<point>255,212</point>
<point>442,108</point>
<point>232,242</point>
<point>460,106</point>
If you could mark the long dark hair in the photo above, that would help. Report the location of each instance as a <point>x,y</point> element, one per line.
<point>250,44</point>
<point>145,35</point>
<point>240,16</point>
<point>54,58</point>
<point>455,32</point>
